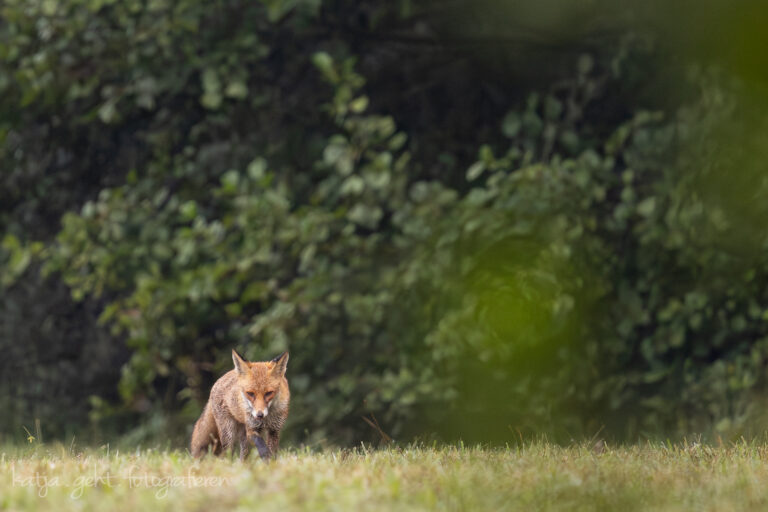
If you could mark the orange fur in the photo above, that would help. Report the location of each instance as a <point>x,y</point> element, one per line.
<point>247,405</point>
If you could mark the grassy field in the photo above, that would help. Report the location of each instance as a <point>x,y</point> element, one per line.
<point>536,477</point>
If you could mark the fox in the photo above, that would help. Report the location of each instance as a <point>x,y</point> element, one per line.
<point>247,406</point>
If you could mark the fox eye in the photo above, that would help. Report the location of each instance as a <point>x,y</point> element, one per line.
<point>251,395</point>
<point>269,394</point>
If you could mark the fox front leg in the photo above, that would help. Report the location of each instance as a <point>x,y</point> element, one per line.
<point>261,445</point>
<point>245,448</point>
<point>273,441</point>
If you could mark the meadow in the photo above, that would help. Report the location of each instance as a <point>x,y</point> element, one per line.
<point>537,476</point>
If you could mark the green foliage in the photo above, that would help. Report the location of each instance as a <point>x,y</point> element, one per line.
<point>207,176</point>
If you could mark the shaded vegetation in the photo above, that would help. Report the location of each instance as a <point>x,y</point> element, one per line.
<point>469,220</point>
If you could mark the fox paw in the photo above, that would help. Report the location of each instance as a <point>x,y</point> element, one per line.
<point>261,446</point>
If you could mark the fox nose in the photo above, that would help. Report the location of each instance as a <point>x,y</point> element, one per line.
<point>259,415</point>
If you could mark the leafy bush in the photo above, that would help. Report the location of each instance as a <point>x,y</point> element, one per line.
<point>224,175</point>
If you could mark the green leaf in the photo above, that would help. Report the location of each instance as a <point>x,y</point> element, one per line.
<point>230,180</point>
<point>358,105</point>
<point>324,63</point>
<point>108,112</point>
<point>511,124</point>
<point>210,79</point>
<point>647,206</point>
<point>475,170</point>
<point>257,168</point>
<point>236,89</point>
<point>211,100</point>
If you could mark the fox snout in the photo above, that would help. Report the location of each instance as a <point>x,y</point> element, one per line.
<point>258,409</point>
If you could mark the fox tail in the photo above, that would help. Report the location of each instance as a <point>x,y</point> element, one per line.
<point>205,434</point>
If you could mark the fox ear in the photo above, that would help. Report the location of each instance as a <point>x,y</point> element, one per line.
<point>241,363</point>
<point>281,363</point>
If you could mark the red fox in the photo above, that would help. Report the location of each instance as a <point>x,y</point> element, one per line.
<point>249,403</point>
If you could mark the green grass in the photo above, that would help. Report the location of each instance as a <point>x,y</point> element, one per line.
<point>539,476</point>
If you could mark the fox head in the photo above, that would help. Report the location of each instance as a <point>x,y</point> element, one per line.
<point>260,383</point>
